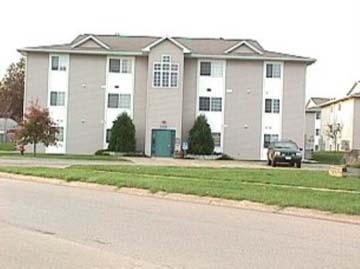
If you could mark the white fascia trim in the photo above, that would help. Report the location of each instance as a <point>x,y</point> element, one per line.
<point>242,57</point>
<point>118,53</point>
<point>156,42</point>
<point>97,41</point>
<point>246,44</point>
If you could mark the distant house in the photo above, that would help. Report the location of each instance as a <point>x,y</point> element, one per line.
<point>342,114</point>
<point>313,136</point>
<point>7,128</point>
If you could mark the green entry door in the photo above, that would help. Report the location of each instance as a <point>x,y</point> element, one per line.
<point>163,142</point>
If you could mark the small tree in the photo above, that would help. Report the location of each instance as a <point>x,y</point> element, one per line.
<point>37,127</point>
<point>200,137</point>
<point>122,134</point>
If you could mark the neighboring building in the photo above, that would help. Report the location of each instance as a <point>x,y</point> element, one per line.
<point>313,134</point>
<point>342,114</point>
<point>249,95</point>
<point>7,130</point>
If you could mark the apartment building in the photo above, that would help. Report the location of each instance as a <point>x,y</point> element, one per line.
<point>249,95</point>
<point>313,135</point>
<point>340,121</point>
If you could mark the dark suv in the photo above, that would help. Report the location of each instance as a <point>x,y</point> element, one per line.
<point>284,151</point>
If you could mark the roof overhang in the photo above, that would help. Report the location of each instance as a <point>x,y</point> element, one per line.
<point>331,102</point>
<point>241,43</point>
<point>93,38</point>
<point>160,40</point>
<point>308,61</point>
<point>74,51</point>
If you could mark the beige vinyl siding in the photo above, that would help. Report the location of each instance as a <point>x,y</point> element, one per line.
<point>189,98</point>
<point>140,84</point>
<point>243,108</point>
<point>86,104</point>
<point>356,128</point>
<point>293,116</point>
<point>36,83</point>
<point>164,105</point>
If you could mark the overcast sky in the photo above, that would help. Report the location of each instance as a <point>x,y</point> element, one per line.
<point>325,30</point>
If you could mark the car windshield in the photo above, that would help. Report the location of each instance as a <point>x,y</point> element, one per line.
<point>285,145</point>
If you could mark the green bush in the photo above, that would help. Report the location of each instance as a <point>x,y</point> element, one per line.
<point>329,157</point>
<point>8,147</point>
<point>201,141</point>
<point>102,152</point>
<point>122,135</point>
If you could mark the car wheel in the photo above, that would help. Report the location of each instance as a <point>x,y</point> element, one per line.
<point>298,164</point>
<point>273,163</point>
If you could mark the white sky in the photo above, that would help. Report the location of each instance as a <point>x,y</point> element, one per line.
<point>327,30</point>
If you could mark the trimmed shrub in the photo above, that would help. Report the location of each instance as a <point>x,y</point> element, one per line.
<point>122,135</point>
<point>329,157</point>
<point>201,141</point>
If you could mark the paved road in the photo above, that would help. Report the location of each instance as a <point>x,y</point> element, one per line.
<point>26,161</point>
<point>48,226</point>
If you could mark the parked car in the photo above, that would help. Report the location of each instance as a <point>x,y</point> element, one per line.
<point>284,151</point>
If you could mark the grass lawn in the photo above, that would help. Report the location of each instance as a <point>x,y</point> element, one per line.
<point>65,156</point>
<point>7,146</point>
<point>275,187</point>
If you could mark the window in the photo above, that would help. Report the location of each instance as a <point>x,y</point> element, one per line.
<point>60,135</point>
<point>55,63</point>
<point>268,138</point>
<point>126,66</point>
<point>204,104</point>
<point>108,135</point>
<point>166,58</point>
<point>273,70</point>
<point>114,66</point>
<point>165,73</point>
<point>317,132</point>
<point>58,63</point>
<point>339,107</point>
<point>318,115</point>
<point>113,100</point>
<point>217,139</point>
<point>57,98</point>
<point>272,106</point>
<point>268,105</point>
<point>205,69</point>
<point>123,66</point>
<point>216,104</point>
<point>125,101</point>
<point>213,69</point>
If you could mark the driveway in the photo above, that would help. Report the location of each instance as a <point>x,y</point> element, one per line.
<point>49,226</point>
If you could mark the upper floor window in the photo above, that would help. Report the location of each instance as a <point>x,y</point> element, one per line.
<point>318,115</point>
<point>210,104</point>
<point>339,107</point>
<point>272,106</point>
<point>58,63</point>
<point>273,70</point>
<point>317,132</point>
<point>57,98</point>
<point>211,68</point>
<point>119,101</point>
<point>165,73</point>
<point>123,66</point>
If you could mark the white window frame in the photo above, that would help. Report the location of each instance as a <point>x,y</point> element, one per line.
<point>170,71</point>
<point>57,98</point>
<point>62,64</point>
<point>121,70</point>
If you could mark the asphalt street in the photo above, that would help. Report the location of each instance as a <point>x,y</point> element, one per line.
<point>49,226</point>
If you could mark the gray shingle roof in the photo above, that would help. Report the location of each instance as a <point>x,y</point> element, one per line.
<point>198,46</point>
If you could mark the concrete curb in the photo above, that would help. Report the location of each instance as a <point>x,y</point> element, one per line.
<point>246,205</point>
